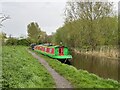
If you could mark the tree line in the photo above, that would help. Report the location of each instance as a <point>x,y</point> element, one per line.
<point>88,24</point>
<point>35,35</point>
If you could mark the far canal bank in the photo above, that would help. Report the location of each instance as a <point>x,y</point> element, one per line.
<point>104,67</point>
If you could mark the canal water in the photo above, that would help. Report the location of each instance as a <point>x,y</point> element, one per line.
<point>101,66</point>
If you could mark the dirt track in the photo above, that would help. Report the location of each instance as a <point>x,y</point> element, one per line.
<point>60,81</point>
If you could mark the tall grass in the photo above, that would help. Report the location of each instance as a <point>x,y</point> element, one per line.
<point>103,51</point>
<point>21,70</point>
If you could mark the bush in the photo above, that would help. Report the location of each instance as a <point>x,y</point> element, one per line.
<point>24,42</point>
<point>15,41</point>
<point>11,41</point>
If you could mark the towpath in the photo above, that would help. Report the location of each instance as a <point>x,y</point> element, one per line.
<point>60,81</point>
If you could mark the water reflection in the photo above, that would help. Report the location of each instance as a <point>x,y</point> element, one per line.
<point>103,67</point>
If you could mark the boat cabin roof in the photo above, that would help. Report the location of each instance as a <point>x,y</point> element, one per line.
<point>51,46</point>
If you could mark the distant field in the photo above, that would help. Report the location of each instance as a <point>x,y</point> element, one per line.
<point>21,70</point>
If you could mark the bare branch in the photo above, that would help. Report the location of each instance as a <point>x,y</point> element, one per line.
<point>3,17</point>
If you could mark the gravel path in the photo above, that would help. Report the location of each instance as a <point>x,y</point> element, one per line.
<point>60,81</point>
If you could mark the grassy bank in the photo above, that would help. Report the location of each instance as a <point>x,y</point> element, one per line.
<point>80,78</point>
<point>21,70</point>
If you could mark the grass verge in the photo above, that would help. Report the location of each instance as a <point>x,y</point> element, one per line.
<point>21,70</point>
<point>80,78</point>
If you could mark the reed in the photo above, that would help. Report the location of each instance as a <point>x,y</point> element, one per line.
<point>102,51</point>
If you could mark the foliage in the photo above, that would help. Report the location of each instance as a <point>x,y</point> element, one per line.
<point>24,42</point>
<point>35,34</point>
<point>87,10</point>
<point>88,24</point>
<point>14,41</point>
<point>21,70</point>
<point>11,41</point>
<point>81,78</point>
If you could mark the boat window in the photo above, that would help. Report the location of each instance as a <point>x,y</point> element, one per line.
<point>45,49</point>
<point>50,50</point>
<point>61,51</point>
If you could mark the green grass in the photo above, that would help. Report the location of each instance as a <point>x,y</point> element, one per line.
<point>21,70</point>
<point>80,78</point>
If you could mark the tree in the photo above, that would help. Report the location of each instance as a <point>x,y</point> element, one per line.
<point>42,37</point>
<point>87,10</point>
<point>91,20</point>
<point>88,24</point>
<point>33,32</point>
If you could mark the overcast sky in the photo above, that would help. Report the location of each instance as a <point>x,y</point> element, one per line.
<point>48,14</point>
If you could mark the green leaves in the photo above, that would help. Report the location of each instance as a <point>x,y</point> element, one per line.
<point>35,34</point>
<point>88,24</point>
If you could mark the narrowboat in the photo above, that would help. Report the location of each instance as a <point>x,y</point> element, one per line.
<point>56,52</point>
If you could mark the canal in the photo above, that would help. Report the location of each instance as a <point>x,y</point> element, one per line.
<point>101,66</point>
